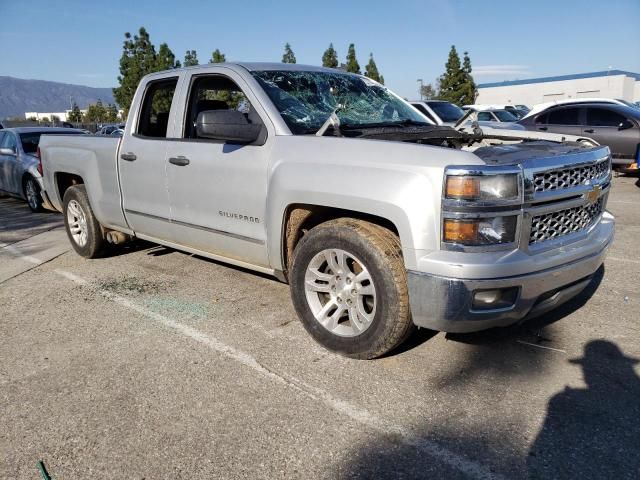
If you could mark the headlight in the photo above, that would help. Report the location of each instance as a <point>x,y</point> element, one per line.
<point>480,231</point>
<point>482,187</point>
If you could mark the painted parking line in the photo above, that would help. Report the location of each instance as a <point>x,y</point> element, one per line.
<point>365,418</point>
<point>541,346</point>
<point>626,260</point>
<point>20,257</point>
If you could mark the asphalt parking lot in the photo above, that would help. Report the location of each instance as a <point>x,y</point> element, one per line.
<point>152,363</point>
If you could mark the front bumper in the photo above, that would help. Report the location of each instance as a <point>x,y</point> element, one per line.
<point>445,304</point>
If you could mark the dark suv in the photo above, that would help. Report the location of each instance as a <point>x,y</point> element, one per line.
<point>616,126</point>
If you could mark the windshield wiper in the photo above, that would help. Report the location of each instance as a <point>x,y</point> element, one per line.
<point>398,124</point>
<point>332,121</point>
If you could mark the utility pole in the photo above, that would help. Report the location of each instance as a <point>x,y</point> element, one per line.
<point>420,81</point>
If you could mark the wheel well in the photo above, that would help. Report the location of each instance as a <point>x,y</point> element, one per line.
<point>300,218</point>
<point>66,180</point>
<point>25,177</point>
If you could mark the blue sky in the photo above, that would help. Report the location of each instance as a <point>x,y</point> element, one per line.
<point>80,41</point>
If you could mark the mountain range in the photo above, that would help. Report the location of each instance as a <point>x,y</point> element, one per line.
<point>18,96</point>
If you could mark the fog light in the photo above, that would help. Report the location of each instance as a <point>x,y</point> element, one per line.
<point>493,299</point>
<point>487,297</point>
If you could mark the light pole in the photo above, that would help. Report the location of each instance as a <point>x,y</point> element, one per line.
<point>420,81</point>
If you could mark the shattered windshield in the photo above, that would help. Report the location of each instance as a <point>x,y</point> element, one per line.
<point>306,100</point>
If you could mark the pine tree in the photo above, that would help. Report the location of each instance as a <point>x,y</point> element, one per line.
<point>469,90</point>
<point>190,58</point>
<point>352,62</point>
<point>111,113</point>
<point>371,70</point>
<point>138,59</point>
<point>452,82</point>
<point>288,56</point>
<point>75,115</point>
<point>165,59</point>
<point>96,112</point>
<point>217,57</point>
<point>330,57</point>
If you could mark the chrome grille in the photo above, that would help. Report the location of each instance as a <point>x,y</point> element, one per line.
<point>569,177</point>
<point>556,224</point>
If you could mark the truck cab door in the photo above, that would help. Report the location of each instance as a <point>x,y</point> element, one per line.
<point>218,189</point>
<point>142,156</point>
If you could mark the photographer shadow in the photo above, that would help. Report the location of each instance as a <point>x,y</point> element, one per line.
<point>592,432</point>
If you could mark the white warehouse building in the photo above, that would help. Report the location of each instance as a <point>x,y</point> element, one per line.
<point>607,84</point>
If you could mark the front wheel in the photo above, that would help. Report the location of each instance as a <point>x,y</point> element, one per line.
<point>33,193</point>
<point>83,229</point>
<point>349,288</point>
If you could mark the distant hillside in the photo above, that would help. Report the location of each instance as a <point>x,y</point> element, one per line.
<point>18,96</point>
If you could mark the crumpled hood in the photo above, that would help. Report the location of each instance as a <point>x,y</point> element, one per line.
<point>514,154</point>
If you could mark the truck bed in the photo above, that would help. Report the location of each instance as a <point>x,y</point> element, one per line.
<point>93,159</point>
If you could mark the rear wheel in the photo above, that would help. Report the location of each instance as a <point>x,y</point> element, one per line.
<point>349,287</point>
<point>83,229</point>
<point>33,194</point>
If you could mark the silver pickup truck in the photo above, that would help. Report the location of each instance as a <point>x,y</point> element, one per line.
<point>378,220</point>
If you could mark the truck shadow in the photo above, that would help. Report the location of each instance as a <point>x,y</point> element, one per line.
<point>155,250</point>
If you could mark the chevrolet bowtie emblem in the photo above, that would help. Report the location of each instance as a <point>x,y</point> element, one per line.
<point>594,194</point>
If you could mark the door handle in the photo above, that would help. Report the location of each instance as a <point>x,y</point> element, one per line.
<point>544,129</point>
<point>589,130</point>
<point>129,157</point>
<point>180,161</point>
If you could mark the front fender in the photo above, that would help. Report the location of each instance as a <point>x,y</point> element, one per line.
<point>407,199</point>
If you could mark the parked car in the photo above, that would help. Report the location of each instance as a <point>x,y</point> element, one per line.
<point>20,173</point>
<point>518,111</point>
<point>576,101</point>
<point>376,218</point>
<point>496,115</point>
<point>439,112</point>
<point>611,124</point>
<point>109,129</point>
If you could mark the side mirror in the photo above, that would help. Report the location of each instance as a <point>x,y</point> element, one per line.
<point>625,125</point>
<point>8,151</point>
<point>229,125</point>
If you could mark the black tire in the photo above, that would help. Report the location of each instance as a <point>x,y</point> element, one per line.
<point>33,194</point>
<point>380,252</point>
<point>95,244</point>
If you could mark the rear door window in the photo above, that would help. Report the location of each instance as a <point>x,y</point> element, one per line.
<point>602,117</point>
<point>156,106</point>
<point>565,116</point>
<point>485,116</point>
